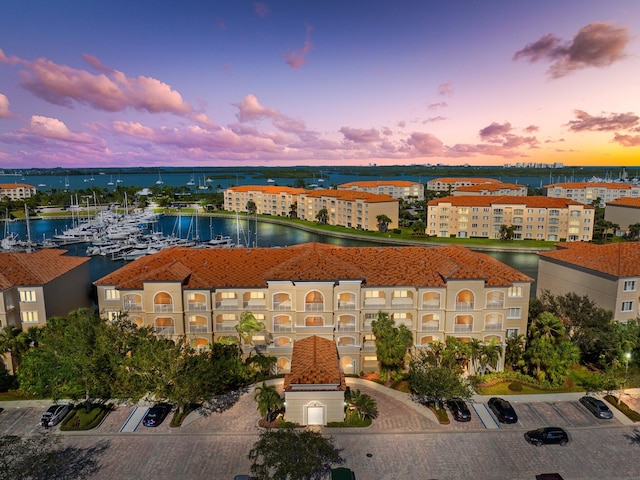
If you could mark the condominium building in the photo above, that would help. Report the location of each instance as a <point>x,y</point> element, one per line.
<point>533,218</point>
<point>492,189</point>
<point>319,289</point>
<point>447,184</point>
<point>608,274</point>
<point>590,193</point>
<point>41,284</point>
<point>623,212</point>
<point>269,199</point>
<point>16,191</point>
<point>343,207</point>
<point>400,189</point>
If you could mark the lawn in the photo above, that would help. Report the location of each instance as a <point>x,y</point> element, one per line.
<point>80,419</point>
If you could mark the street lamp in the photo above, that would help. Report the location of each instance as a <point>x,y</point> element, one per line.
<point>627,356</point>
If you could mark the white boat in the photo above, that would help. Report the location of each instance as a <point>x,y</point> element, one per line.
<point>159,181</point>
<point>270,180</point>
<point>110,182</point>
<point>191,181</point>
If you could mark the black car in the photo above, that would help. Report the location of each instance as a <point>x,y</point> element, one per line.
<point>459,410</point>
<point>549,476</point>
<point>597,407</point>
<point>503,410</point>
<point>156,414</point>
<point>547,436</point>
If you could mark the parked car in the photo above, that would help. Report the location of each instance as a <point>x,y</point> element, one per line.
<point>549,476</point>
<point>503,410</point>
<point>55,414</point>
<point>342,473</point>
<point>156,414</point>
<point>547,436</point>
<point>459,410</point>
<point>597,407</point>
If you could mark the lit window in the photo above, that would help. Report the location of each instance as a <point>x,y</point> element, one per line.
<point>28,296</point>
<point>29,317</point>
<point>515,291</point>
<point>111,294</point>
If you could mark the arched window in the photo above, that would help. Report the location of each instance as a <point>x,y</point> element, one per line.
<point>314,321</point>
<point>162,302</point>
<point>431,300</point>
<point>132,302</point>
<point>347,323</point>
<point>314,302</point>
<point>137,321</point>
<point>465,300</point>
<point>348,365</point>
<point>165,326</point>
<point>198,324</point>
<point>283,365</point>
<point>495,299</point>
<point>200,343</point>
<point>282,301</point>
<point>463,324</point>
<point>493,321</point>
<point>430,322</point>
<point>346,301</point>
<point>346,342</point>
<point>282,323</point>
<point>428,340</point>
<point>226,322</point>
<point>282,342</point>
<point>196,302</point>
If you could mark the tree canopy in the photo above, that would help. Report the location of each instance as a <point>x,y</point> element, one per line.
<point>392,342</point>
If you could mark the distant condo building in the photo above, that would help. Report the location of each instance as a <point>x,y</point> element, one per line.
<point>401,189</point>
<point>623,212</point>
<point>346,208</point>
<point>16,191</point>
<point>534,218</point>
<point>317,289</point>
<point>450,184</point>
<point>492,189</point>
<point>592,192</point>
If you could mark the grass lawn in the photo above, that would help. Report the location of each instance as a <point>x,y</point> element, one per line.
<point>15,395</point>
<point>79,419</point>
<point>351,419</point>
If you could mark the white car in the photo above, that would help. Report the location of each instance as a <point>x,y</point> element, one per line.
<point>55,414</point>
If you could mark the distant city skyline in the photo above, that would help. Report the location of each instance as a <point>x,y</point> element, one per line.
<point>203,83</point>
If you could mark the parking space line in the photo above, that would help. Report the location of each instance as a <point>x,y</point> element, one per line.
<point>485,416</point>
<point>535,412</point>
<point>564,417</point>
<point>134,419</point>
<point>22,414</point>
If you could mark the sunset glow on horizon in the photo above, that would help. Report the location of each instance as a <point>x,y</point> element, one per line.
<point>276,83</point>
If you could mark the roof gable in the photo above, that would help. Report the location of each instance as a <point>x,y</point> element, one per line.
<point>315,362</point>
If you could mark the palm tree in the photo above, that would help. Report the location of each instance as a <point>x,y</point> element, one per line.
<point>293,210</point>
<point>251,207</point>
<point>548,328</point>
<point>15,342</point>
<point>247,327</point>
<point>475,349</point>
<point>514,349</point>
<point>363,404</point>
<point>634,231</point>
<point>268,399</point>
<point>490,354</point>
<point>383,222</point>
<point>322,215</point>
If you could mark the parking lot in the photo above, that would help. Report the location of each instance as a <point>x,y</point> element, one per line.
<point>404,441</point>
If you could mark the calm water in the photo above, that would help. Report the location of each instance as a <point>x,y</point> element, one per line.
<point>262,235</point>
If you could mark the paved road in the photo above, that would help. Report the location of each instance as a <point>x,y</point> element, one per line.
<point>404,442</point>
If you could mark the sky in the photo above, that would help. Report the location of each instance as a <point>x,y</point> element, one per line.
<point>142,83</point>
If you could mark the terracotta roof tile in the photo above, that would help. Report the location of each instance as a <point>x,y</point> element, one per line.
<point>379,183</point>
<point>314,362</point>
<point>486,201</point>
<point>351,195</point>
<point>35,268</point>
<point>464,179</point>
<point>626,202</point>
<point>620,259</point>
<point>10,186</point>
<point>607,185</point>
<point>491,187</point>
<point>254,267</point>
<point>274,189</point>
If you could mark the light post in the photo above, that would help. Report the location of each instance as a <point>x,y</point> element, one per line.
<point>627,356</point>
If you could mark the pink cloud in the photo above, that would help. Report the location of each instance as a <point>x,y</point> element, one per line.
<point>426,144</point>
<point>359,135</point>
<point>603,123</point>
<point>9,60</point>
<point>297,58</point>
<point>627,140</point>
<point>54,129</point>
<point>5,112</point>
<point>261,9</point>
<point>445,89</point>
<point>597,44</point>
<point>250,109</point>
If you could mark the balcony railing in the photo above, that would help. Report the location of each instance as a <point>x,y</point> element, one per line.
<point>493,327</point>
<point>198,329</point>
<point>402,301</point>
<point>226,327</point>
<point>197,306</point>
<point>314,307</point>
<point>495,303</point>
<point>132,306</point>
<point>227,305</point>
<point>162,307</point>
<point>282,306</point>
<point>346,327</point>
<point>462,328</point>
<point>255,304</point>
<point>346,305</point>
<point>165,330</point>
<point>283,327</point>
<point>430,328</point>
<point>431,304</point>
<point>464,306</point>
<point>374,302</point>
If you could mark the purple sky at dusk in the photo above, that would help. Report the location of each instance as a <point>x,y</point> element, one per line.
<point>88,83</point>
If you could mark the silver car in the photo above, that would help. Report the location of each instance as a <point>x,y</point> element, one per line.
<point>55,414</point>
<point>597,407</point>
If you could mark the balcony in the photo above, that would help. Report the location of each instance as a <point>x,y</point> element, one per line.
<point>255,305</point>
<point>197,306</point>
<point>198,329</point>
<point>165,331</point>
<point>346,305</point>
<point>346,327</point>
<point>402,301</point>
<point>464,306</point>
<point>430,328</point>
<point>314,307</point>
<point>226,327</point>
<point>495,304</point>
<point>282,306</point>
<point>431,305</point>
<point>493,327</point>
<point>283,328</point>
<point>374,303</point>
<point>462,328</point>
<point>132,306</point>
<point>228,304</point>
<point>163,307</point>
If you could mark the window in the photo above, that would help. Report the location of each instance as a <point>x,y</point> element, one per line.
<point>29,317</point>
<point>112,315</point>
<point>111,294</point>
<point>28,296</point>
<point>514,312</point>
<point>515,291</point>
<point>512,332</point>
<point>630,286</point>
<point>627,307</point>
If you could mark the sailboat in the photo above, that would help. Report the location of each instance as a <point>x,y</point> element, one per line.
<point>191,181</point>
<point>110,182</point>
<point>159,181</point>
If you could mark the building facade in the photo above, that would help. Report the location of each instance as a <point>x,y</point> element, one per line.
<point>35,286</point>
<point>623,212</point>
<point>450,184</point>
<point>591,193</point>
<point>534,218</point>
<point>16,191</point>
<point>269,199</point>
<point>400,189</point>
<point>317,289</point>
<point>608,274</point>
<point>492,189</point>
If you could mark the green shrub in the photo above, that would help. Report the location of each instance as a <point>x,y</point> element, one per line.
<point>515,387</point>
<point>178,417</point>
<point>623,407</point>
<point>79,419</point>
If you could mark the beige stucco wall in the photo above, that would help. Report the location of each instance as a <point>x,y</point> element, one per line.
<point>297,404</point>
<point>622,215</point>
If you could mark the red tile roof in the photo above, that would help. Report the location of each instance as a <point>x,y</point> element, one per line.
<point>11,186</point>
<point>254,267</point>
<point>620,259</point>
<point>351,195</point>
<point>379,183</point>
<point>625,202</point>
<point>466,180</point>
<point>487,201</point>
<point>36,268</point>
<point>315,362</point>
<point>273,189</point>
<point>491,187</point>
